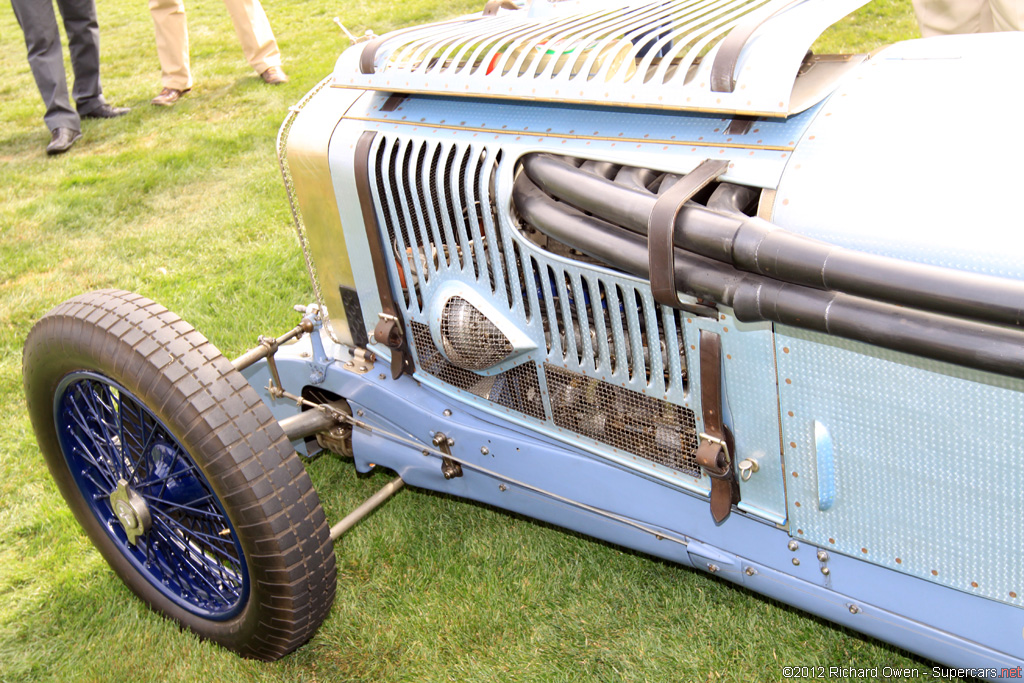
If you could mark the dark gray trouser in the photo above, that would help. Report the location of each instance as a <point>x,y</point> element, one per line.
<point>39,24</point>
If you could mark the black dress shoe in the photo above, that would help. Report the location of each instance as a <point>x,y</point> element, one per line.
<point>62,140</point>
<point>105,111</point>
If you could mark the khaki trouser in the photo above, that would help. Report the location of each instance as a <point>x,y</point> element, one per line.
<point>251,25</point>
<point>941,17</point>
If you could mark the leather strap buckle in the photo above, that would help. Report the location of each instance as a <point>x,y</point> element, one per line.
<point>721,465</point>
<point>714,454</point>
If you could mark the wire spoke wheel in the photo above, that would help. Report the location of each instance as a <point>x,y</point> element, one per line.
<point>167,521</point>
<point>179,473</point>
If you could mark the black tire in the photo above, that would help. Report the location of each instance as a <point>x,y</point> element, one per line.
<point>118,348</point>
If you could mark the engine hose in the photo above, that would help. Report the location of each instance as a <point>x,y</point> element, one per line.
<point>755,298</point>
<point>757,246</point>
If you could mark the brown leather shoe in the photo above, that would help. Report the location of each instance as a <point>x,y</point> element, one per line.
<point>167,97</point>
<point>274,76</point>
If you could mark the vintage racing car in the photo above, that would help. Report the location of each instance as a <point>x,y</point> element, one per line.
<point>652,272</point>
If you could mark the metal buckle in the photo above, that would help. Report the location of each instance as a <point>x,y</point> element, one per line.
<point>721,443</point>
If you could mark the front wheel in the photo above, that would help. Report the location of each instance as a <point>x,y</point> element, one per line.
<point>179,473</point>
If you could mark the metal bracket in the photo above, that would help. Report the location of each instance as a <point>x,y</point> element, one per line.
<point>362,361</point>
<point>320,362</point>
<point>449,468</point>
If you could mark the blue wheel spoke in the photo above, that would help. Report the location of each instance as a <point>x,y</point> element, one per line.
<point>165,479</point>
<point>89,398</point>
<point>190,469</point>
<point>185,555</point>
<point>104,489</point>
<point>144,452</point>
<point>142,442</point>
<point>188,509</point>
<point>176,551</point>
<point>100,466</point>
<point>83,424</point>
<point>213,540</point>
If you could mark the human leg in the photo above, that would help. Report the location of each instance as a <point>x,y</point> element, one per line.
<point>253,28</point>
<point>84,45</point>
<point>172,43</point>
<point>42,40</point>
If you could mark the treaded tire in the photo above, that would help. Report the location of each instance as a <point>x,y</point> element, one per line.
<point>141,351</point>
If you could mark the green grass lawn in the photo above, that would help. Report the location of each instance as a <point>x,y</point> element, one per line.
<point>186,206</point>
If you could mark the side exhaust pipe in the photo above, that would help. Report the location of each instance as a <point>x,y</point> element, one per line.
<point>756,246</point>
<point>754,296</point>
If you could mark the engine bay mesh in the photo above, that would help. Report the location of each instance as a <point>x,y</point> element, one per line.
<point>517,389</point>
<point>657,430</point>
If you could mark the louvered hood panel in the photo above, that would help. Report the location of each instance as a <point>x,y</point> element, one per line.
<point>724,56</point>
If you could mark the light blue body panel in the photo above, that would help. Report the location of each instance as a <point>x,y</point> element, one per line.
<point>651,139</point>
<point>926,456</point>
<point>889,605</point>
<point>903,161</point>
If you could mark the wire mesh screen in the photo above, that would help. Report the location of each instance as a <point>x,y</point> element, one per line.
<point>655,430</point>
<point>470,339</point>
<point>517,389</point>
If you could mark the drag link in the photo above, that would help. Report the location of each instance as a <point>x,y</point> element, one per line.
<point>268,345</point>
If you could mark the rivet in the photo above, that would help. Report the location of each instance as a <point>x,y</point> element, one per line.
<point>750,571</point>
<point>360,412</point>
<point>793,545</point>
<point>713,568</point>
<point>502,487</point>
<point>484,450</point>
<point>822,556</point>
<point>796,562</point>
<point>854,609</point>
<point>447,413</point>
<point>382,376</point>
<point>826,571</point>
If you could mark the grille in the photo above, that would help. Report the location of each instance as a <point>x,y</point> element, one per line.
<point>657,430</point>
<point>470,340</point>
<point>516,389</point>
<point>609,363</point>
<point>434,201</point>
<point>659,54</point>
